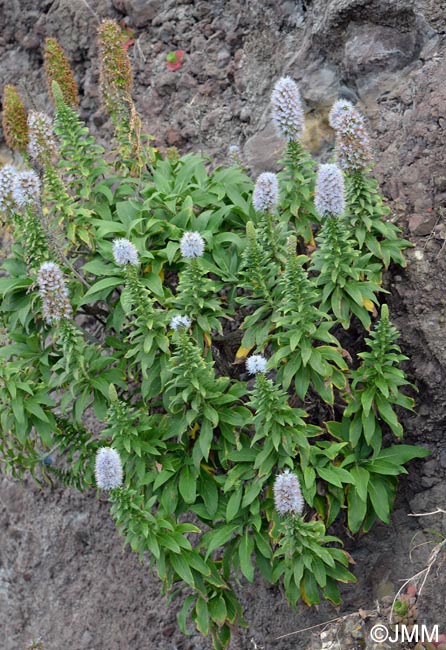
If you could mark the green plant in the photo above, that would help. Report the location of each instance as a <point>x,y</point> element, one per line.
<point>128,277</point>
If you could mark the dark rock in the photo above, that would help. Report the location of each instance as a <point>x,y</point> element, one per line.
<point>140,12</point>
<point>263,150</point>
<point>165,83</point>
<point>421,225</point>
<point>375,47</point>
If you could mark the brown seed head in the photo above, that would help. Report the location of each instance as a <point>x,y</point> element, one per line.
<point>58,69</point>
<point>14,121</point>
<point>116,79</point>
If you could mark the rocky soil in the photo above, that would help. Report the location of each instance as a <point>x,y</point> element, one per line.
<point>63,573</point>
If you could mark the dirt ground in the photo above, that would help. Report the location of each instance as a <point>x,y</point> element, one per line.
<point>64,575</point>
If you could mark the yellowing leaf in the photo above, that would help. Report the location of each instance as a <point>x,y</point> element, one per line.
<point>368,304</point>
<point>208,339</point>
<point>193,431</point>
<point>242,352</point>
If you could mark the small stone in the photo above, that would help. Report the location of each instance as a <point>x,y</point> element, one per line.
<point>430,467</point>
<point>187,81</point>
<point>245,114</point>
<point>263,150</point>
<point>232,38</point>
<point>440,183</point>
<point>173,137</point>
<point>421,224</point>
<point>429,481</point>
<point>141,12</point>
<point>165,83</point>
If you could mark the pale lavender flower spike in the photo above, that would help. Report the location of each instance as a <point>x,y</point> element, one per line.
<point>340,108</point>
<point>192,244</point>
<point>288,497</point>
<point>180,321</point>
<point>8,176</point>
<point>255,364</point>
<point>352,143</point>
<point>235,155</point>
<point>108,469</point>
<point>42,143</point>
<point>266,192</point>
<point>26,189</point>
<point>53,292</point>
<point>288,114</point>
<point>329,195</point>
<point>124,252</point>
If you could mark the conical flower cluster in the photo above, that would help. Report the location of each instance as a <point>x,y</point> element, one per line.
<point>124,252</point>
<point>329,195</point>
<point>256,364</point>
<point>14,120</point>
<point>26,189</point>
<point>58,69</point>
<point>180,321</point>
<point>235,155</point>
<point>340,108</point>
<point>288,497</point>
<point>108,469</point>
<point>352,141</point>
<point>42,145</point>
<point>288,114</point>
<point>54,294</point>
<point>8,176</point>
<point>266,193</point>
<point>192,245</point>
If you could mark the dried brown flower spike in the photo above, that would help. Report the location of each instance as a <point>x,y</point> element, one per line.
<point>115,72</point>
<point>14,121</point>
<point>58,69</point>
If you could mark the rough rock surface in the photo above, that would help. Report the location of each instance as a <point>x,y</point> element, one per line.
<point>63,573</point>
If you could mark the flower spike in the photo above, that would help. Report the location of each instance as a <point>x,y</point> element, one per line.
<point>192,245</point>
<point>288,497</point>
<point>256,364</point>
<point>266,192</point>
<point>42,145</point>
<point>58,69</point>
<point>55,301</point>
<point>14,121</point>
<point>26,189</point>
<point>108,469</point>
<point>329,197</point>
<point>124,252</point>
<point>288,114</point>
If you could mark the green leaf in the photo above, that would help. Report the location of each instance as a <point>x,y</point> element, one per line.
<point>331,592</point>
<point>32,407</point>
<point>251,493</point>
<point>219,537</point>
<point>217,609</point>
<point>188,484</point>
<point>361,478</point>
<point>202,620</point>
<point>402,453</point>
<point>245,549</point>
<point>309,590</point>
<point>335,475</point>
<point>367,397</point>
<point>182,568</point>
<point>380,499</point>
<point>98,288</point>
<point>357,509</point>
<point>183,614</point>
<point>233,505</point>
